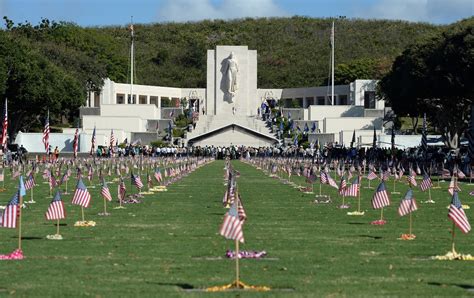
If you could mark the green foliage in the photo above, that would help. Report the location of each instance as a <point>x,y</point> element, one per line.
<point>435,77</point>
<point>165,102</point>
<point>158,143</point>
<point>182,121</point>
<point>52,65</point>
<point>178,133</point>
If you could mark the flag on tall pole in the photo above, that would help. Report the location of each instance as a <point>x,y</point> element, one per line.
<point>393,140</point>
<point>93,140</point>
<point>46,131</point>
<point>424,140</point>
<point>5,124</point>
<point>112,141</point>
<point>76,142</point>
<point>469,134</point>
<point>374,141</point>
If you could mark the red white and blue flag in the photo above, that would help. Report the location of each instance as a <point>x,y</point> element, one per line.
<point>105,192</point>
<point>380,198</point>
<point>9,217</point>
<point>408,204</point>
<point>56,208</point>
<point>426,182</point>
<point>232,226</point>
<point>46,131</point>
<point>137,181</point>
<point>457,215</point>
<point>81,196</point>
<point>5,125</point>
<point>353,189</point>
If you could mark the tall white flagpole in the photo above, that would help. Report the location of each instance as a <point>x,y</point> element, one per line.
<point>332,64</point>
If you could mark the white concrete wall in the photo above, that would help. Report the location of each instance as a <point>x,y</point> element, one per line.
<point>33,142</point>
<point>138,111</point>
<point>117,123</point>
<point>345,136</point>
<point>320,112</point>
<point>335,125</point>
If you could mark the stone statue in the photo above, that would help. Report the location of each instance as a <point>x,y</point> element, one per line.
<point>230,69</point>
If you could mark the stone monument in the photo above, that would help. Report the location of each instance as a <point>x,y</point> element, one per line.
<point>231,81</point>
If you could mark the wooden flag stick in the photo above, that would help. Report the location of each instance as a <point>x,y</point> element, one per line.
<point>410,228</point>
<point>429,194</point>
<point>105,207</point>
<point>57,226</point>
<point>394,184</point>
<point>452,239</point>
<point>320,189</point>
<point>19,221</point>
<point>358,201</point>
<point>237,269</point>
<point>32,200</point>
<point>82,211</point>
<point>381,213</point>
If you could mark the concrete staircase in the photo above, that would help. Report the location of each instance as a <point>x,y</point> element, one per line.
<point>208,123</point>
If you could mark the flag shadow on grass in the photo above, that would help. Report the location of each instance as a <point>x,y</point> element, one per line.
<point>29,238</point>
<point>372,237</point>
<point>183,286</point>
<point>469,288</point>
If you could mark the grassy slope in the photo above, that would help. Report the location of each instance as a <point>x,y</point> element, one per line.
<point>158,247</point>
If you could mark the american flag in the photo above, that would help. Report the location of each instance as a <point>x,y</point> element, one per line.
<point>112,141</point>
<point>30,182</point>
<point>105,192</point>
<point>332,182</point>
<point>426,182</point>
<point>93,142</point>
<point>76,142</point>
<point>342,186</point>
<point>446,173</point>
<point>9,216</point>
<point>460,174</point>
<point>408,204</point>
<point>121,189</point>
<point>453,186</point>
<point>424,140</point>
<point>5,124</point>
<point>371,175</point>
<point>158,176</point>
<point>149,181</point>
<point>380,198</point>
<point>323,177</point>
<point>82,196</point>
<point>353,189</point>
<point>46,134</point>
<point>401,172</point>
<point>52,181</point>
<point>137,181</point>
<point>232,226</point>
<point>412,179</point>
<point>56,208</point>
<point>457,215</point>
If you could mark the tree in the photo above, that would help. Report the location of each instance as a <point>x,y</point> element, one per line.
<point>436,77</point>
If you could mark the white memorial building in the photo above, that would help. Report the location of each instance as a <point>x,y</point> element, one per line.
<point>228,108</point>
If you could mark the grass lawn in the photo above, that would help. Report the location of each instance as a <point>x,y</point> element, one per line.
<point>170,243</point>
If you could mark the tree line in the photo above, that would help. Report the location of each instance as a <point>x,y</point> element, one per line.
<point>53,65</point>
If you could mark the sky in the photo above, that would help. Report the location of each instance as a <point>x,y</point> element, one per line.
<point>119,12</point>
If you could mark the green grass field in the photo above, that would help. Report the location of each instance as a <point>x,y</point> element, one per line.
<point>170,243</point>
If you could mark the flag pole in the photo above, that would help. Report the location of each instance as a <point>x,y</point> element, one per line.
<point>358,202</point>
<point>410,228</point>
<point>452,239</point>
<point>381,213</point>
<point>82,211</point>
<point>19,220</point>
<point>237,269</point>
<point>57,226</point>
